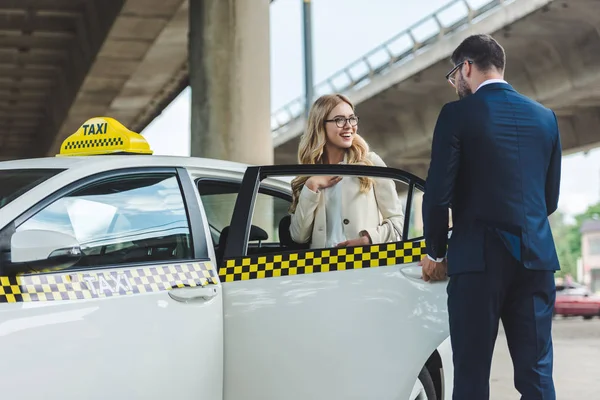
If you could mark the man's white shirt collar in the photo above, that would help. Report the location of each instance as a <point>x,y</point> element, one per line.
<point>491,81</point>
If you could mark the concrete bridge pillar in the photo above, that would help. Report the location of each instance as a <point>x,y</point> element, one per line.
<point>230,80</point>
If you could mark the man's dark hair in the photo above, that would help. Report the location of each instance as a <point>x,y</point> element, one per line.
<point>483,50</point>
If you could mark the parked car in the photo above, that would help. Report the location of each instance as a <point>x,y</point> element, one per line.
<point>136,276</point>
<point>575,300</point>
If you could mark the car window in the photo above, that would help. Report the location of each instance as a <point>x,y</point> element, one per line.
<point>219,198</point>
<point>122,220</point>
<point>15,182</point>
<point>415,220</point>
<point>338,215</point>
<point>581,291</point>
<point>573,291</point>
<point>416,214</point>
<point>270,208</point>
<point>340,209</point>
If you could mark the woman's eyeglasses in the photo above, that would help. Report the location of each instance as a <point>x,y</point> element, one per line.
<point>341,121</point>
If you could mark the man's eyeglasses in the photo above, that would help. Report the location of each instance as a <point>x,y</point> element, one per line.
<point>450,75</point>
<point>341,121</point>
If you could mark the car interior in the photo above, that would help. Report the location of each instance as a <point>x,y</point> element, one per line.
<point>219,191</point>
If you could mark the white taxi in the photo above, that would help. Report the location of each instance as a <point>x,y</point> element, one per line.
<point>125,275</point>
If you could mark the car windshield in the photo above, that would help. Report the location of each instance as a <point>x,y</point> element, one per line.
<point>15,182</point>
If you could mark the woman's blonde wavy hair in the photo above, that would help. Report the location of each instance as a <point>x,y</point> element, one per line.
<point>312,144</point>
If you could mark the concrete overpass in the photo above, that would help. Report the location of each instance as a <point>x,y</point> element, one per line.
<point>64,61</point>
<point>553,55</point>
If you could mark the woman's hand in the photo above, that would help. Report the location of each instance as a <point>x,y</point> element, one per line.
<point>361,241</point>
<point>316,183</point>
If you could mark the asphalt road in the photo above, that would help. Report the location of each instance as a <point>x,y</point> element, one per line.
<point>576,362</point>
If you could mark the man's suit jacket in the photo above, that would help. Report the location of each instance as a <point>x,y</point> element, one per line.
<point>496,162</point>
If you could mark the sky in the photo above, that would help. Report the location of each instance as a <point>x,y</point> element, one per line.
<point>344,30</point>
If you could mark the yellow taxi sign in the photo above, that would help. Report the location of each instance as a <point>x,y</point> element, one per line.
<point>104,135</point>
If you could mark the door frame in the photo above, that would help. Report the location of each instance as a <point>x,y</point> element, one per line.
<point>237,242</point>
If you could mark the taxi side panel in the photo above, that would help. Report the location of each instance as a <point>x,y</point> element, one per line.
<point>140,346</point>
<point>114,332</point>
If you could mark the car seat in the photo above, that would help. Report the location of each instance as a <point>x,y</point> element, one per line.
<point>256,233</point>
<point>286,238</point>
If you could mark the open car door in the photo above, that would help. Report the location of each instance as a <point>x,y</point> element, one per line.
<point>322,323</point>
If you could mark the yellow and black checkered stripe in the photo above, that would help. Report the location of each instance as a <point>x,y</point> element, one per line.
<point>316,261</point>
<point>100,284</point>
<point>101,142</point>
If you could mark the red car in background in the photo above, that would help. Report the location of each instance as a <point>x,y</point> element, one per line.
<point>575,300</point>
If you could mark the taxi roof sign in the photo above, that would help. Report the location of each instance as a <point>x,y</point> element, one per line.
<point>104,135</point>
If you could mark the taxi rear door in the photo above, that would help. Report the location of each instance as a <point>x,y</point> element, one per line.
<point>324,323</point>
<point>137,315</point>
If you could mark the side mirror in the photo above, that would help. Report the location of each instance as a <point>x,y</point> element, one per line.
<point>44,248</point>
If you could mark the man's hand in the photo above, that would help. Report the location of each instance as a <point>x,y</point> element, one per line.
<point>433,271</point>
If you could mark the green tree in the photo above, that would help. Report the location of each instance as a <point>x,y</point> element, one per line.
<point>563,236</point>
<point>593,212</point>
<point>567,238</point>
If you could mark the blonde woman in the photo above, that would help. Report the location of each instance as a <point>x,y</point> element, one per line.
<point>330,211</point>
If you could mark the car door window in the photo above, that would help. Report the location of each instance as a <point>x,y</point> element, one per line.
<point>387,210</point>
<point>341,210</point>
<point>219,198</point>
<point>124,219</point>
<point>416,215</point>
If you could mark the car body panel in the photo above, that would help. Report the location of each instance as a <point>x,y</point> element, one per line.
<point>576,300</point>
<point>352,333</point>
<point>130,346</point>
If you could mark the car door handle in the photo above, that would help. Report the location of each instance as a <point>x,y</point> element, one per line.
<point>412,272</point>
<point>193,293</point>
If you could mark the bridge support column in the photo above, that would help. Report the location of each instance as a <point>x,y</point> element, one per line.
<point>230,80</point>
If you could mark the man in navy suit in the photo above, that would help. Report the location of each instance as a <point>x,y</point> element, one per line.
<point>496,162</point>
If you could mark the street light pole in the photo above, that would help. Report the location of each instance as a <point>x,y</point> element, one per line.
<point>308,63</point>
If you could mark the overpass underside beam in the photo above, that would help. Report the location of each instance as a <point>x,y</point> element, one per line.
<point>229,79</point>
